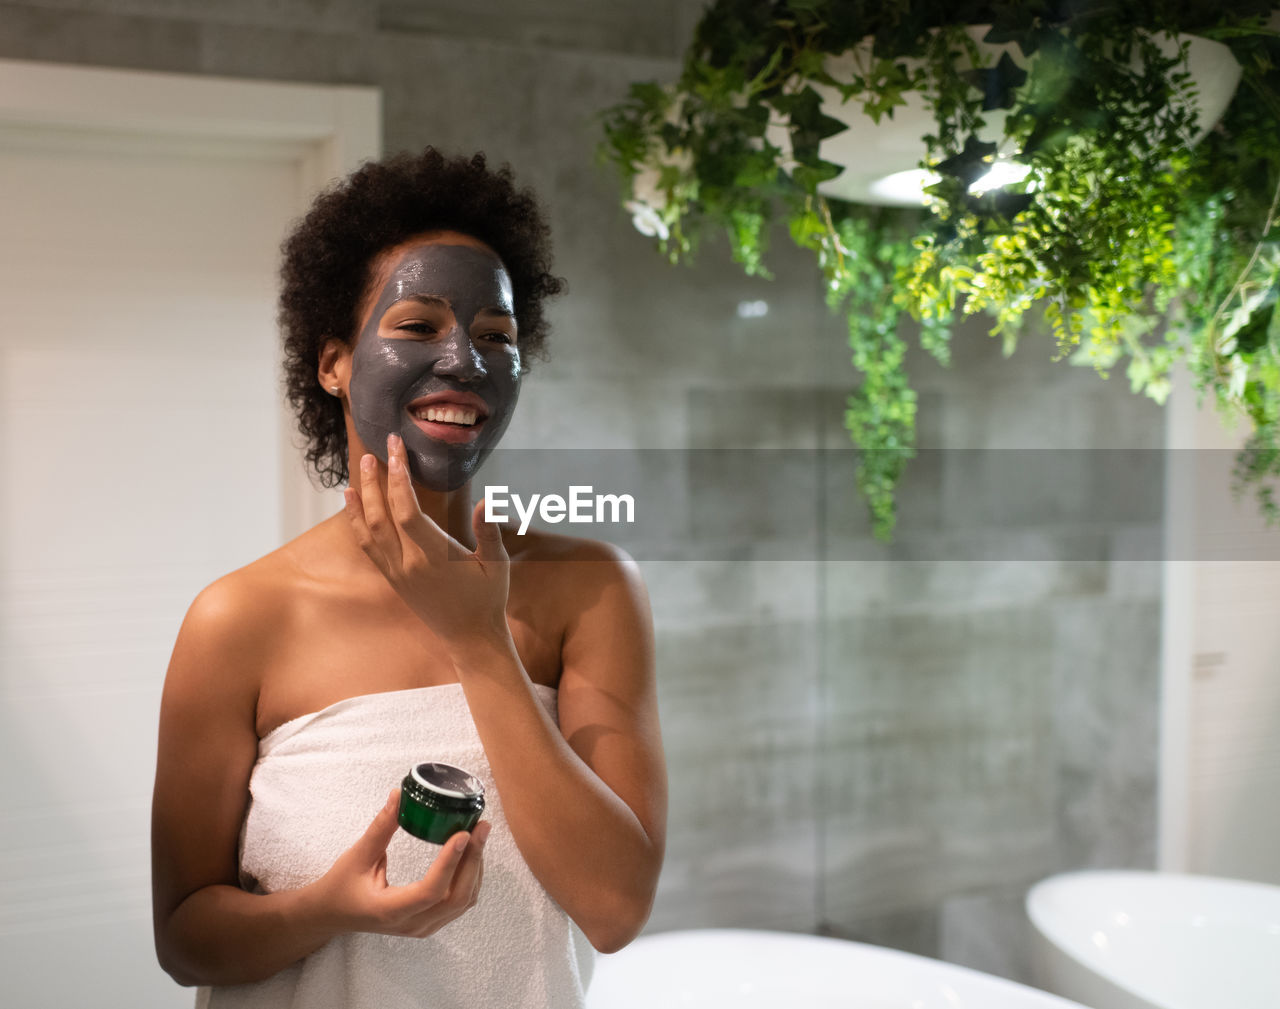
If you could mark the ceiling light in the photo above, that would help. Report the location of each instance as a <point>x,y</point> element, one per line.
<point>1003,173</point>
<point>904,189</point>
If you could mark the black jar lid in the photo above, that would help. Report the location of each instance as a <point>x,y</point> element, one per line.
<point>444,785</point>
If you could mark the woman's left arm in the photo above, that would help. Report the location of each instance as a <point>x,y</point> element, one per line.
<point>585,801</point>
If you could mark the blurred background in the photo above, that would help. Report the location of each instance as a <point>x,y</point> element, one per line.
<point>888,743</point>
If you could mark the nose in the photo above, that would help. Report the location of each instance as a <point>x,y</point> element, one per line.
<point>459,357</point>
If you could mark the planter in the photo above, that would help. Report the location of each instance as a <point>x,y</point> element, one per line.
<point>883,159</point>
<point>1140,235</point>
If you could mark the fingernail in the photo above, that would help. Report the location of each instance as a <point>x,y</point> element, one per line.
<point>460,843</point>
<point>393,462</point>
<point>393,442</point>
<point>366,463</point>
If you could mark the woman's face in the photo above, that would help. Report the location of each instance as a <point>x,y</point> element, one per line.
<point>436,361</point>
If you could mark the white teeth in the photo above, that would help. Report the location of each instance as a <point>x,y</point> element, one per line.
<point>448,415</point>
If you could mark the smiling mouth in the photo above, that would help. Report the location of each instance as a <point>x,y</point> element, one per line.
<point>448,422</point>
<point>458,415</point>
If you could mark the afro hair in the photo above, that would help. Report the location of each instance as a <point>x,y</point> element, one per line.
<point>330,256</point>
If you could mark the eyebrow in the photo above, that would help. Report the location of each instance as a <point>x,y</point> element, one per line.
<point>434,299</point>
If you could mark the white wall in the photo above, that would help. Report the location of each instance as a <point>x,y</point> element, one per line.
<point>145,454</point>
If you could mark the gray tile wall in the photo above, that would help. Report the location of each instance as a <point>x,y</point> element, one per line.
<point>889,744</point>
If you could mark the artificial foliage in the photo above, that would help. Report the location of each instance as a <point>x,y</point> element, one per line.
<point>1140,247</point>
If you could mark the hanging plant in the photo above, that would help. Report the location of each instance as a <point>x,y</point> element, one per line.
<point>1069,165</point>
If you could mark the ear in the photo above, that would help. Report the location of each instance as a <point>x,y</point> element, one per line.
<point>335,366</point>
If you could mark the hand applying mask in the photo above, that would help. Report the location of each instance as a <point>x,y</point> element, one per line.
<point>437,362</point>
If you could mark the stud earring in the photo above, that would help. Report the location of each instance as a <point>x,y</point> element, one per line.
<point>334,389</point>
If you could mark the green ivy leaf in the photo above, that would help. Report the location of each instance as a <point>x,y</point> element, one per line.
<point>1015,22</point>
<point>810,176</point>
<point>809,124</point>
<point>1254,333</point>
<point>971,163</point>
<point>998,84</point>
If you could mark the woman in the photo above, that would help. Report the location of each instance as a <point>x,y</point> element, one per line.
<point>305,685</point>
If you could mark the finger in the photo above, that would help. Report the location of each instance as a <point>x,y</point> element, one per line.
<point>420,534</point>
<point>466,878</point>
<point>466,881</point>
<point>375,512</point>
<point>426,893</point>
<point>354,508</point>
<point>372,845</point>
<point>489,545</point>
<point>353,500</point>
<point>463,893</point>
<point>409,519</point>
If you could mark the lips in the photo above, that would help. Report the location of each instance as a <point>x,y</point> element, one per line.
<point>450,416</point>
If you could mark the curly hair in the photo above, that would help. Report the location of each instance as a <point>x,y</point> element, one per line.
<point>330,256</point>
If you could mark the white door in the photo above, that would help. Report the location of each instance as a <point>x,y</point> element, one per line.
<point>1221,746</point>
<point>144,454</point>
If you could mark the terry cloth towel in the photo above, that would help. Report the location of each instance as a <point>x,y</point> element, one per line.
<point>317,784</point>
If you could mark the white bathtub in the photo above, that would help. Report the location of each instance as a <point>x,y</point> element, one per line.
<point>739,969</point>
<point>1146,940</point>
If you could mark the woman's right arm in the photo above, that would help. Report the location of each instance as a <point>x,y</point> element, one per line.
<point>209,931</point>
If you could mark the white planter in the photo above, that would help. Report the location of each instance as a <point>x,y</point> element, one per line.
<point>874,152</point>
<point>1148,940</point>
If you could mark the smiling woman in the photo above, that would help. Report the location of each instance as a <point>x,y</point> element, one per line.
<point>437,360</point>
<point>404,632</point>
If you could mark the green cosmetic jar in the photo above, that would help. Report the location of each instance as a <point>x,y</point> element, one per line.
<point>438,800</point>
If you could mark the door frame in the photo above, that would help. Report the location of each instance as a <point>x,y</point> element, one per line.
<point>325,130</point>
<point>1177,623</point>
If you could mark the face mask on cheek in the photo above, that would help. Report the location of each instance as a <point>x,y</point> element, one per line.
<point>458,369</point>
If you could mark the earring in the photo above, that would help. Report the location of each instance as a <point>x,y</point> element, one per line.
<point>334,389</point>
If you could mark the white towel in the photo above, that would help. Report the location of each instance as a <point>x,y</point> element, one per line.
<point>317,784</point>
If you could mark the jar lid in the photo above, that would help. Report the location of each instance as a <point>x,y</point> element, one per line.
<point>445,779</point>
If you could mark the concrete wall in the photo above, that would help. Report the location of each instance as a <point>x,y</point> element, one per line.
<point>883,743</point>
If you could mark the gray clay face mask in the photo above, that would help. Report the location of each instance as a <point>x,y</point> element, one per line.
<point>437,363</point>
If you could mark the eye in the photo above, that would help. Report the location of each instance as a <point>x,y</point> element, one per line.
<point>500,337</point>
<point>424,328</point>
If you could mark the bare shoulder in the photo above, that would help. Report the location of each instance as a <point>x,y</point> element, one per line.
<point>601,602</point>
<point>227,635</point>
<point>575,563</point>
<point>244,602</point>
